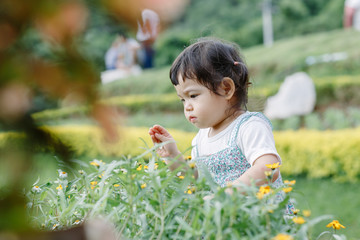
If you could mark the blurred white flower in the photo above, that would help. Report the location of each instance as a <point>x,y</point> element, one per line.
<point>62,174</point>
<point>36,189</point>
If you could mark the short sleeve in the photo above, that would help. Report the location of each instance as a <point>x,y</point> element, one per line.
<point>256,139</point>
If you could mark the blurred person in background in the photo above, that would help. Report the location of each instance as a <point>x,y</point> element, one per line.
<point>148,29</point>
<point>352,14</point>
<point>121,59</point>
<point>122,53</point>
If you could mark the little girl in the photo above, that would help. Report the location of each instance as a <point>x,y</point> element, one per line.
<point>234,144</point>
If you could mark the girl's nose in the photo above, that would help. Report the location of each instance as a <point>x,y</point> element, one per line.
<point>188,106</point>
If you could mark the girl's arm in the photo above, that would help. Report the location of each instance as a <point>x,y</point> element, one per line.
<point>158,135</point>
<point>257,171</point>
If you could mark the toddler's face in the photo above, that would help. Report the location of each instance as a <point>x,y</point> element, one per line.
<point>202,107</point>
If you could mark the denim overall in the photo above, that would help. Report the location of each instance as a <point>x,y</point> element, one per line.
<point>230,163</point>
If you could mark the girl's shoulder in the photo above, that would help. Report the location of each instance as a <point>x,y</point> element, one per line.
<point>200,134</point>
<point>252,117</point>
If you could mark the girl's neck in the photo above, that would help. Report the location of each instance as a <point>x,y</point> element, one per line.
<point>214,130</point>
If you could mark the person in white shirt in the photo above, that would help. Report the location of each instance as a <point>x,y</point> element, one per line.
<point>352,14</point>
<point>148,30</point>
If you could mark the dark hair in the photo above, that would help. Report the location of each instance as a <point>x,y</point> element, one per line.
<point>208,61</point>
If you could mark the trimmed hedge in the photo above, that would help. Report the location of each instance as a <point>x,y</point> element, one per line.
<point>316,154</point>
<point>130,103</point>
<point>342,89</point>
<point>320,154</point>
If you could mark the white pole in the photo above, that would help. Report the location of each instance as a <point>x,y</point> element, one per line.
<point>267,23</point>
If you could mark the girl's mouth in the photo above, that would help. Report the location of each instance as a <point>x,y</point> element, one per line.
<point>192,119</point>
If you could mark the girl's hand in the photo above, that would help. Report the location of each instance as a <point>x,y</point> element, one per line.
<point>208,197</point>
<point>158,135</point>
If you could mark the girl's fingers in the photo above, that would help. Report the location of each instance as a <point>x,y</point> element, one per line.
<point>153,130</point>
<point>161,137</point>
<point>154,139</point>
<point>161,130</point>
<point>159,134</point>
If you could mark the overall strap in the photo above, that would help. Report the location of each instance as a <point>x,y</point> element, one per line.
<point>196,152</point>
<point>195,148</point>
<point>242,119</point>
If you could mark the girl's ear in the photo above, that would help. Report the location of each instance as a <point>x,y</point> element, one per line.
<point>227,87</point>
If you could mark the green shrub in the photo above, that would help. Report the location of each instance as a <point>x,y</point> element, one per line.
<point>315,154</point>
<point>354,115</point>
<point>129,103</point>
<point>313,122</point>
<point>152,81</point>
<point>340,89</point>
<point>319,154</point>
<point>129,95</point>
<point>335,119</point>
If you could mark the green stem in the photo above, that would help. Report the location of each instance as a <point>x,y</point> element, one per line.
<point>162,222</point>
<point>130,209</point>
<point>268,227</point>
<point>185,217</point>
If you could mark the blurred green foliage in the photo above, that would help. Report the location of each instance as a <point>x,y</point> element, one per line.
<point>241,22</point>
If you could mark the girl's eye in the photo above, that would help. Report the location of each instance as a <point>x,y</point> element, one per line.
<point>182,100</point>
<point>193,96</point>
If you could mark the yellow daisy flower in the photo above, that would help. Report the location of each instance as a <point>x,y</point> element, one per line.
<point>93,184</point>
<point>295,211</point>
<point>299,220</point>
<point>96,163</point>
<point>268,173</point>
<point>143,186</point>
<point>59,187</point>
<point>307,213</point>
<point>265,189</point>
<point>290,183</point>
<point>260,195</point>
<point>335,224</point>
<point>287,189</point>
<point>273,166</point>
<point>192,165</point>
<point>282,236</point>
<point>188,158</point>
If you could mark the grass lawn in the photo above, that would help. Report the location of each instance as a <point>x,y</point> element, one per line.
<point>323,196</point>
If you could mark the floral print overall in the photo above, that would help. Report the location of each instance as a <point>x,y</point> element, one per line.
<point>230,163</point>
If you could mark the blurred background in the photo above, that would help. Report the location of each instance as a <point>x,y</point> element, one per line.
<point>85,79</point>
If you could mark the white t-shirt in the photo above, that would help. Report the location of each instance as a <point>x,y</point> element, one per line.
<point>255,139</point>
<point>352,3</point>
<point>144,34</point>
<point>356,5</point>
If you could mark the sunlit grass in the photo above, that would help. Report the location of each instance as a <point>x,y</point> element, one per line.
<point>326,196</point>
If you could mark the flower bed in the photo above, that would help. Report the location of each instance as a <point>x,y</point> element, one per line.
<point>144,200</point>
